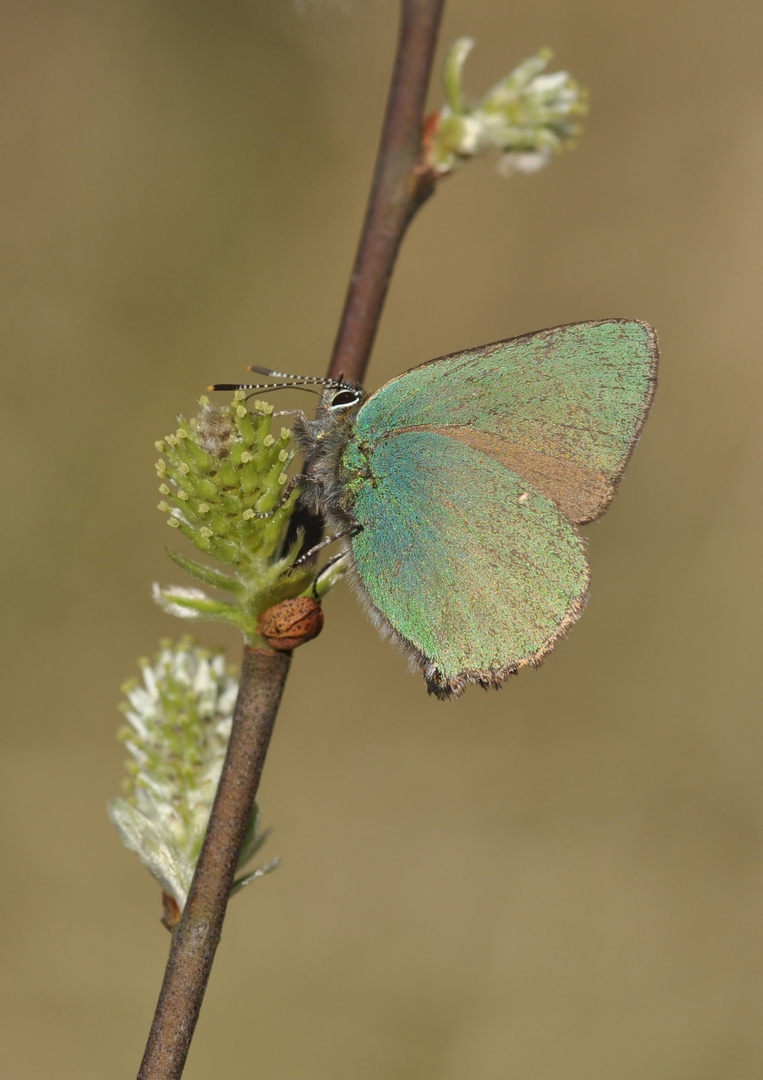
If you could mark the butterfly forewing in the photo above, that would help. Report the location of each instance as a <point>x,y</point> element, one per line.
<point>561,408</point>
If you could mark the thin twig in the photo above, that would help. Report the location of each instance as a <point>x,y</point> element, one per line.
<point>399,189</point>
<point>194,941</point>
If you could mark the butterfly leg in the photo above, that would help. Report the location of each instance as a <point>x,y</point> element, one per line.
<point>322,573</point>
<point>324,543</point>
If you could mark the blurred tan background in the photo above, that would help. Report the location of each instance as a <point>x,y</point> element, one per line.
<point>561,881</point>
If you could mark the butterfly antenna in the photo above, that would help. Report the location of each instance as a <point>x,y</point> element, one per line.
<point>293,382</point>
<point>284,375</point>
<point>295,379</point>
<point>261,386</point>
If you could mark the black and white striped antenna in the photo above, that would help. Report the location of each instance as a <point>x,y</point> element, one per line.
<point>290,382</point>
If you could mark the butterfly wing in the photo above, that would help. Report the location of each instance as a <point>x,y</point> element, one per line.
<point>561,408</point>
<point>473,571</point>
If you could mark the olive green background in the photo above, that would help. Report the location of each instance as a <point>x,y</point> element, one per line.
<point>560,881</point>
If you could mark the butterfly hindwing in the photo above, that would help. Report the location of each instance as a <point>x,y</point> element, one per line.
<point>468,566</point>
<point>562,407</point>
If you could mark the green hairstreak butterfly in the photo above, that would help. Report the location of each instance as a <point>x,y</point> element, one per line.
<point>457,489</point>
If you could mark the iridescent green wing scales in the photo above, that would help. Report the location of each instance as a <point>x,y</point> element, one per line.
<point>470,568</point>
<point>562,407</point>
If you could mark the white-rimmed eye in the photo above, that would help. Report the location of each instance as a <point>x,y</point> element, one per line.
<point>345,399</point>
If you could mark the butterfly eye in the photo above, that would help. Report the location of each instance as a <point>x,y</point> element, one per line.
<point>343,399</point>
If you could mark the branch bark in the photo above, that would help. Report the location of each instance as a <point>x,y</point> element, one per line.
<point>400,186</point>
<point>399,189</point>
<point>195,939</point>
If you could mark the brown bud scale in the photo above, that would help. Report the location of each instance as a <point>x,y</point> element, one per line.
<point>291,623</point>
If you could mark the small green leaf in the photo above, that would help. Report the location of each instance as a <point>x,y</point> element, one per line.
<point>452,73</point>
<point>206,574</point>
<point>194,604</point>
<point>247,879</point>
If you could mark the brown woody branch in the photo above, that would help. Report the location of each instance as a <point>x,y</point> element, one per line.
<point>195,938</point>
<point>400,186</point>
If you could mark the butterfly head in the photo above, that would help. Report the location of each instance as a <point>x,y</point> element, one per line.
<point>339,404</point>
<point>323,439</point>
<point>340,400</point>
